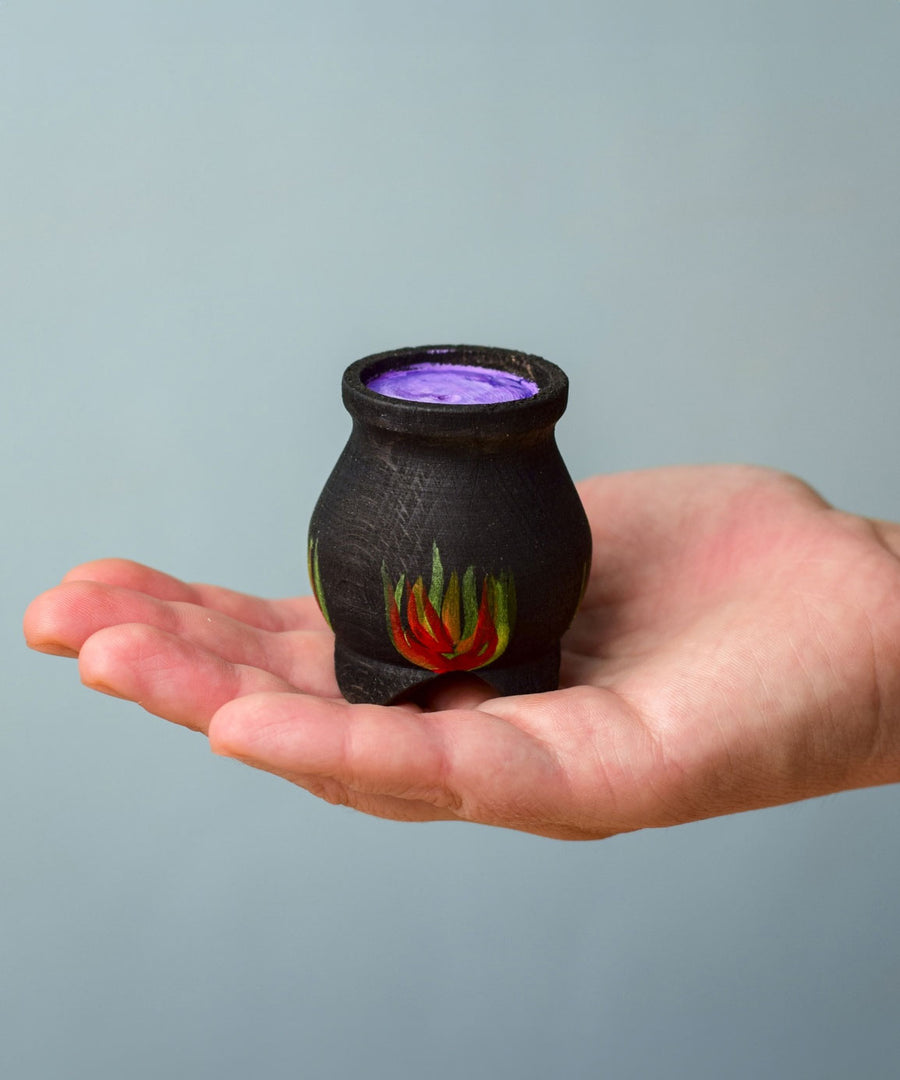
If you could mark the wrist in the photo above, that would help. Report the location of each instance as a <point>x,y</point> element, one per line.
<point>888,533</point>
<point>885,631</point>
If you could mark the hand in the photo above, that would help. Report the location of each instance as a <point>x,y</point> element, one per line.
<point>738,647</point>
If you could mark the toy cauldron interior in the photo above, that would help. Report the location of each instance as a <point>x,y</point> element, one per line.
<point>449,537</point>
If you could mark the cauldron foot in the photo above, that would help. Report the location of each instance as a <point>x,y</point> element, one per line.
<point>362,679</point>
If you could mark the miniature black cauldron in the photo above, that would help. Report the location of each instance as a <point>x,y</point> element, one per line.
<point>449,537</point>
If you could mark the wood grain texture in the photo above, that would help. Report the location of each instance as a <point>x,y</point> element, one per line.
<point>425,496</point>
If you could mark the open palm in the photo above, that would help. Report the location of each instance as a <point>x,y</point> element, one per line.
<point>738,647</point>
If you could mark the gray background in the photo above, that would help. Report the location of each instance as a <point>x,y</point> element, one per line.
<point>208,210</point>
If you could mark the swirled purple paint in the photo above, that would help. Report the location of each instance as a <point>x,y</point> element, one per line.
<point>452,384</point>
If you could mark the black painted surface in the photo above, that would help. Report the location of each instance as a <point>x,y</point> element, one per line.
<point>486,484</point>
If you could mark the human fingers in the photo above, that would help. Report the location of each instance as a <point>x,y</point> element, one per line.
<point>61,620</point>
<point>167,675</point>
<point>466,764</point>
<point>300,613</point>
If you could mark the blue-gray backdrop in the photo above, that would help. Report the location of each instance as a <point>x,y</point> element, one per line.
<point>208,209</point>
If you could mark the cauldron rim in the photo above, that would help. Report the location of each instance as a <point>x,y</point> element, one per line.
<point>502,418</point>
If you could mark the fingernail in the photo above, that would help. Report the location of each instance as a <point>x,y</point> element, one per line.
<point>53,648</point>
<point>102,688</point>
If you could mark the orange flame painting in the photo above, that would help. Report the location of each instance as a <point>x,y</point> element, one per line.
<point>450,628</point>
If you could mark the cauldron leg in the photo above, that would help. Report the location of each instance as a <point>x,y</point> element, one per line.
<point>377,682</point>
<point>362,679</point>
<point>535,676</point>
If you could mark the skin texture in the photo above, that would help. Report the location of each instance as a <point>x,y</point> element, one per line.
<point>738,647</point>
